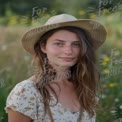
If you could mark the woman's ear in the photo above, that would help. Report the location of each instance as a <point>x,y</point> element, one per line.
<point>43,48</point>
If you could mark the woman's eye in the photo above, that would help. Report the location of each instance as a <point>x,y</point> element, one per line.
<point>76,44</point>
<point>59,44</point>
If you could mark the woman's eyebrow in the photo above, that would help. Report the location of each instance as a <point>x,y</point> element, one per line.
<point>63,40</point>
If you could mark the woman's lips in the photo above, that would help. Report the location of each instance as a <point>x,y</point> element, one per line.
<point>66,58</point>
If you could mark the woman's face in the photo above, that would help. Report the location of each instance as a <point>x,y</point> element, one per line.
<point>62,48</point>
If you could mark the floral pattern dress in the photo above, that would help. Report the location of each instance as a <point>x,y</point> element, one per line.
<point>26,99</point>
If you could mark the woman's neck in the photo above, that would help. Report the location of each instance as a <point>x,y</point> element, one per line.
<point>62,73</point>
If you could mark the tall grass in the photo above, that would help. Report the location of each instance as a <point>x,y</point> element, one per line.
<point>15,62</point>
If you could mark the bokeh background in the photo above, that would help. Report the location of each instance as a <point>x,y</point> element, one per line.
<point>16,17</point>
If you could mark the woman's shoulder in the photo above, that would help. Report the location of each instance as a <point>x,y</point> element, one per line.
<point>30,82</point>
<point>24,98</point>
<point>26,87</point>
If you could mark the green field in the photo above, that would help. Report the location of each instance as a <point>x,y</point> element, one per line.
<point>15,63</point>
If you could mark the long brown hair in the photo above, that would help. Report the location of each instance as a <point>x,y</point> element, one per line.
<point>84,74</point>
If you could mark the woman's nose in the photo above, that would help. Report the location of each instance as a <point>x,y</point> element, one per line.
<point>68,50</point>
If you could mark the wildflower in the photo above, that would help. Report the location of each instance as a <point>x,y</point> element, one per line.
<point>106,59</point>
<point>81,12</point>
<point>13,20</point>
<point>111,85</point>
<point>93,16</point>
<point>104,63</point>
<point>106,71</point>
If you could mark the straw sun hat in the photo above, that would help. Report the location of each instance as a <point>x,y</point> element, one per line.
<point>96,30</point>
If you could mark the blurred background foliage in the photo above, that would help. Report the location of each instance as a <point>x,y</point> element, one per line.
<point>16,17</point>
<point>14,12</point>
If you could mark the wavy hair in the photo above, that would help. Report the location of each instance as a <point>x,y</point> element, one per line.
<point>84,74</point>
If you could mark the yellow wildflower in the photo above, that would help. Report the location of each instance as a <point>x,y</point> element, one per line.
<point>111,85</point>
<point>104,63</point>
<point>81,12</point>
<point>13,20</point>
<point>106,59</point>
<point>106,71</point>
<point>93,16</point>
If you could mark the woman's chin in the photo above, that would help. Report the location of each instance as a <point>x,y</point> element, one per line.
<point>62,64</point>
<point>66,64</point>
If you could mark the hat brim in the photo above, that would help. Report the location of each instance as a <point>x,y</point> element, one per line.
<point>96,30</point>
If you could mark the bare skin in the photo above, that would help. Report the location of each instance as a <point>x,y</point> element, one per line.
<point>14,116</point>
<point>66,96</point>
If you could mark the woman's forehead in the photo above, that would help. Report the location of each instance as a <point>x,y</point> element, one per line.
<point>63,36</point>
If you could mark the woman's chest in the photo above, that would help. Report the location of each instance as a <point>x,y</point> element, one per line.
<point>69,101</point>
<point>59,113</point>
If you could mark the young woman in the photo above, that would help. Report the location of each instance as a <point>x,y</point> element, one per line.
<point>64,86</point>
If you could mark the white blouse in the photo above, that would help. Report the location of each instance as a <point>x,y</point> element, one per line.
<point>26,99</point>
